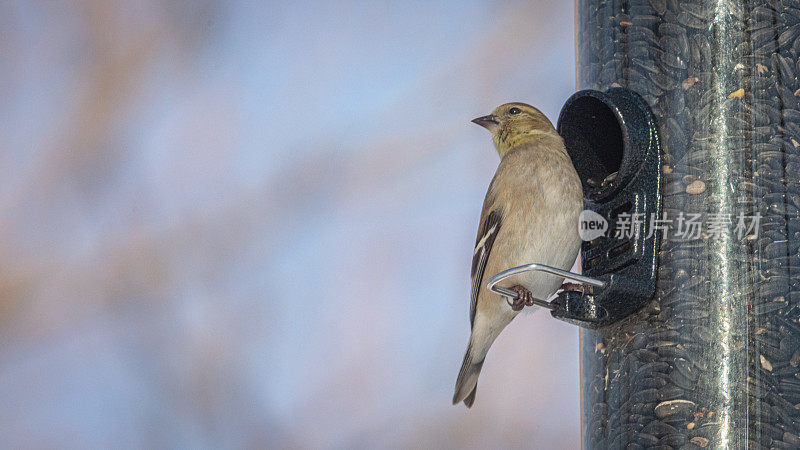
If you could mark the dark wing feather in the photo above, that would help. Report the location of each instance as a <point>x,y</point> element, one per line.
<point>483,246</point>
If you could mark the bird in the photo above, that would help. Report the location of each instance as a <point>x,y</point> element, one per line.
<point>530,215</point>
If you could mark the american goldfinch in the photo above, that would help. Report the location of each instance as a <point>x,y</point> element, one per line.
<point>530,215</point>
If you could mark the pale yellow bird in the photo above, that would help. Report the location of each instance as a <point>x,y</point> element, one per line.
<point>530,215</point>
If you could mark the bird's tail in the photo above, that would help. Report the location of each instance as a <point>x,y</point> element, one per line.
<point>467,382</point>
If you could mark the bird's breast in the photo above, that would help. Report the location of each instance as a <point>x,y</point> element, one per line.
<point>546,232</point>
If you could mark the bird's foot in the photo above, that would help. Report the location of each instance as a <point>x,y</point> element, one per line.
<point>524,298</point>
<point>575,287</point>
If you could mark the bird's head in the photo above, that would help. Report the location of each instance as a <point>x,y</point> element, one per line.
<point>513,124</point>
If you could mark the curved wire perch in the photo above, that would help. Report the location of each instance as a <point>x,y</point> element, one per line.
<point>539,268</point>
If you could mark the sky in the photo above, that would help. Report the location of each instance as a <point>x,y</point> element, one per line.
<point>249,224</point>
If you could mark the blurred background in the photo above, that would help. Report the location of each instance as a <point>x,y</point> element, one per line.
<point>250,224</point>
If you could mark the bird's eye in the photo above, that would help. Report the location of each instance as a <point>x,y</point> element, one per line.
<point>514,110</point>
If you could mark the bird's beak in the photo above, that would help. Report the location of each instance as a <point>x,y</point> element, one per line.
<point>489,122</point>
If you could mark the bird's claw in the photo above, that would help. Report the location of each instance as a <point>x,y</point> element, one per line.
<point>575,287</point>
<point>524,298</point>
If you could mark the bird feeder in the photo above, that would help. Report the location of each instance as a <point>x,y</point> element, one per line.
<point>704,349</point>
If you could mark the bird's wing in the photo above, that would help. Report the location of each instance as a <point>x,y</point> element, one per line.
<point>490,226</point>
